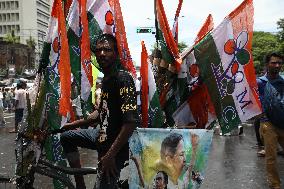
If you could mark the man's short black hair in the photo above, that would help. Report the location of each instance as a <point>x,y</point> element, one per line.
<point>169,144</point>
<point>108,37</point>
<point>272,54</point>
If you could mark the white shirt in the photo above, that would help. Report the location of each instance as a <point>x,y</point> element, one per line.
<point>1,99</point>
<point>20,95</point>
<point>138,88</point>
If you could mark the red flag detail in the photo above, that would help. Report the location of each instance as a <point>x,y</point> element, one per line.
<point>144,86</point>
<point>207,27</point>
<point>64,61</point>
<point>67,4</point>
<point>170,41</point>
<point>120,35</point>
<point>85,43</point>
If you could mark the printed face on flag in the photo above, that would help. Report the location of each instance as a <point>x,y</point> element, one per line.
<point>105,54</point>
<point>169,154</point>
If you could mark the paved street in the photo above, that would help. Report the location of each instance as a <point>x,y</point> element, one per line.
<point>233,163</point>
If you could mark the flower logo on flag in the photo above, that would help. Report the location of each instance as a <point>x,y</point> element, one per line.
<point>241,56</point>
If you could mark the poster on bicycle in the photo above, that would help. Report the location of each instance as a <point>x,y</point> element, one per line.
<point>168,158</point>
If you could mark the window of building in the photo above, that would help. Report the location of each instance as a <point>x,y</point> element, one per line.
<point>0,17</point>
<point>8,5</point>
<point>17,4</point>
<point>0,29</point>
<point>17,16</point>
<point>4,17</point>
<point>9,30</point>
<point>8,17</point>
<point>3,5</point>
<point>18,28</point>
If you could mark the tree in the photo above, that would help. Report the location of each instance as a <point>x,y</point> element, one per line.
<point>280,25</point>
<point>263,43</point>
<point>280,34</point>
<point>31,42</point>
<point>181,46</point>
<point>11,38</point>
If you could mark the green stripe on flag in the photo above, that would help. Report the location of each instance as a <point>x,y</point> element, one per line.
<point>207,57</point>
<point>166,55</point>
<point>94,29</point>
<point>74,50</point>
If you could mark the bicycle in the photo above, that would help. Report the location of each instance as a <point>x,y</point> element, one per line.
<point>30,160</point>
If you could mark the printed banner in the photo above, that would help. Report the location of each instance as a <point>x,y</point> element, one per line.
<point>168,158</point>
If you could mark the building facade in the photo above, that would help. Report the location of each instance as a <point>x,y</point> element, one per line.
<point>27,18</point>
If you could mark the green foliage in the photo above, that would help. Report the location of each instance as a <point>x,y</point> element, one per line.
<point>280,25</point>
<point>31,42</point>
<point>262,44</point>
<point>181,46</point>
<point>11,38</point>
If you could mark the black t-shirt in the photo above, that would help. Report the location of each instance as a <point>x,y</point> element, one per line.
<point>118,106</point>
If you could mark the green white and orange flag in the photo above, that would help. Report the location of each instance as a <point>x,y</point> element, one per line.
<point>60,58</point>
<point>121,38</point>
<point>197,109</point>
<point>86,68</point>
<point>165,38</point>
<point>206,27</point>
<point>224,58</point>
<point>57,85</point>
<point>152,115</point>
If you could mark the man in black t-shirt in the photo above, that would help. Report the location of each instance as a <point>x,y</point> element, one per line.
<point>117,117</point>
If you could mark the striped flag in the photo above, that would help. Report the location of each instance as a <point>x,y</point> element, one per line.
<point>165,39</point>
<point>152,115</point>
<point>86,68</point>
<point>57,82</point>
<point>224,59</point>
<point>206,27</point>
<point>60,55</point>
<point>198,108</point>
<point>121,38</point>
<point>102,17</point>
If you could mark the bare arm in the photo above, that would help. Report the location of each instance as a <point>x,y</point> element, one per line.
<point>138,167</point>
<point>108,161</point>
<point>188,174</point>
<point>81,122</point>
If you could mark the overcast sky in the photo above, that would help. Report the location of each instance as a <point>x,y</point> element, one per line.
<point>140,13</point>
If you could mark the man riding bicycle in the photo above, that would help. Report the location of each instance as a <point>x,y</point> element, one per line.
<point>117,117</point>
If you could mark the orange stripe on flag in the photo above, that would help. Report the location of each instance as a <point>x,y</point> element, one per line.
<point>170,41</point>
<point>85,44</point>
<point>120,35</point>
<point>242,17</point>
<point>206,27</point>
<point>64,63</point>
